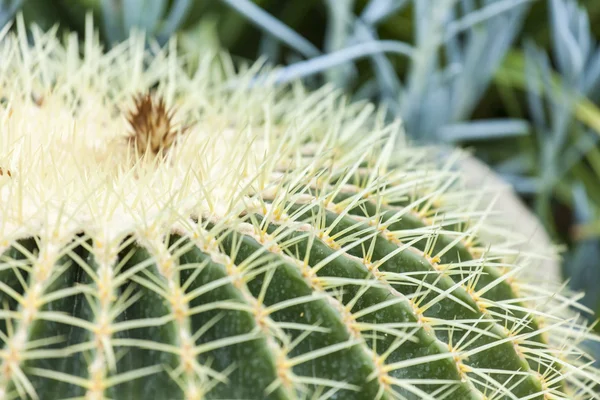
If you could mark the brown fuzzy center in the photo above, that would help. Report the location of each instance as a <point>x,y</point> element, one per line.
<point>152,123</point>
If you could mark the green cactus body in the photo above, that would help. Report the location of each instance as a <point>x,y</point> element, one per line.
<point>287,245</point>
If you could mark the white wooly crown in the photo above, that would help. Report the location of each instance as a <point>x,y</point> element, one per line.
<point>68,171</point>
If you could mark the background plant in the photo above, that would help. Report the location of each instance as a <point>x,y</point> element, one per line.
<point>250,242</point>
<point>518,81</point>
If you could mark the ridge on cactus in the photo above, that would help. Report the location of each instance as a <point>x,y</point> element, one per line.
<point>165,234</point>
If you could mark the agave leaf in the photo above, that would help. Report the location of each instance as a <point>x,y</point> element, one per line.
<point>592,76</point>
<point>485,129</point>
<point>8,9</point>
<point>484,50</point>
<point>523,184</point>
<point>336,37</point>
<point>112,13</point>
<point>377,11</point>
<point>390,88</point>
<point>481,15</point>
<point>273,26</point>
<point>517,164</point>
<point>565,44</point>
<point>533,86</point>
<point>574,153</point>
<point>319,64</point>
<point>144,14</point>
<point>176,17</point>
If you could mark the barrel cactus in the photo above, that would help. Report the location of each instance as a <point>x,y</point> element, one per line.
<point>178,233</point>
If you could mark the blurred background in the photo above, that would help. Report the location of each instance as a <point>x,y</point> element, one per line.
<point>517,82</point>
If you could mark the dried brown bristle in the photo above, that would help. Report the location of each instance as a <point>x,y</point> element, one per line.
<point>7,172</point>
<point>152,124</point>
<point>37,99</point>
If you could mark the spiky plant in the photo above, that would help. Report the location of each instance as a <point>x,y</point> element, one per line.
<point>167,235</point>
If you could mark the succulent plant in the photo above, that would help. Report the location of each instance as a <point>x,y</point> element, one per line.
<point>168,234</point>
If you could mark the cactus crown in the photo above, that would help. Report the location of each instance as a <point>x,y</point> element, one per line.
<point>289,245</point>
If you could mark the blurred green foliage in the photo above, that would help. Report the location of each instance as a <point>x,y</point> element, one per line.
<point>518,81</point>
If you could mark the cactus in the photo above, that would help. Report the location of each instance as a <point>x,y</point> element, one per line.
<point>176,234</point>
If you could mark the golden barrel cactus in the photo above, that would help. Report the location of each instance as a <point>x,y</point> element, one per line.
<point>169,233</point>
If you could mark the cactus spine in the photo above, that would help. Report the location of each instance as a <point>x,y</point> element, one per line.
<point>167,235</point>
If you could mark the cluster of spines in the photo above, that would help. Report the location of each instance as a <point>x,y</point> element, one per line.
<point>278,226</point>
